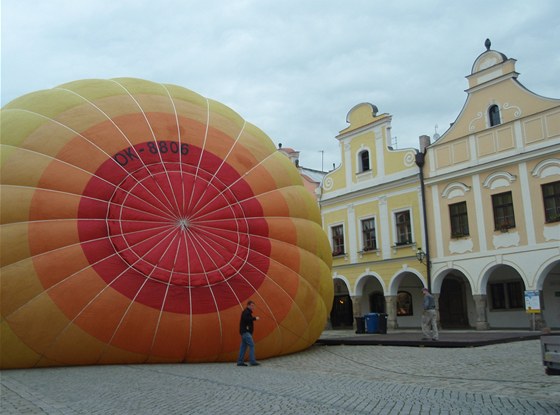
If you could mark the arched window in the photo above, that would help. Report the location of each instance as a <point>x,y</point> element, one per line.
<point>364,161</point>
<point>494,115</point>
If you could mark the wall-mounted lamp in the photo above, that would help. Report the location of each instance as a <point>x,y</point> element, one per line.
<point>420,255</point>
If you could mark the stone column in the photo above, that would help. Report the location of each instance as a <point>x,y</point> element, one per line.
<point>436,299</point>
<point>356,309</point>
<point>481,318</point>
<point>540,322</point>
<point>391,307</point>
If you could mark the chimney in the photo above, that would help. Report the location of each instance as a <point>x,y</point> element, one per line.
<point>424,142</point>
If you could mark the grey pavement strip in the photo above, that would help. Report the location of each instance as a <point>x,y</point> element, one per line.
<point>498,379</point>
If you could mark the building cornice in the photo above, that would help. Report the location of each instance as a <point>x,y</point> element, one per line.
<point>386,119</point>
<point>469,170</point>
<point>367,191</point>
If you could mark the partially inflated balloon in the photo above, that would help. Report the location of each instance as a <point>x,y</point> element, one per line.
<point>138,219</point>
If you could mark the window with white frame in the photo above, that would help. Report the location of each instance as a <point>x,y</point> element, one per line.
<point>494,115</point>
<point>363,158</point>
<point>369,242</point>
<point>337,233</point>
<point>403,228</point>
<point>459,219</point>
<point>551,200</point>
<point>504,217</point>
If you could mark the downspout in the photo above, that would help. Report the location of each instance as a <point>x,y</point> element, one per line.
<point>420,156</point>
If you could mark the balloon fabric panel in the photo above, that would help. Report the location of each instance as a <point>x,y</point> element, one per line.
<point>137,221</point>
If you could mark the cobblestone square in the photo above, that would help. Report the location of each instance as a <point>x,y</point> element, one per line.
<point>497,379</point>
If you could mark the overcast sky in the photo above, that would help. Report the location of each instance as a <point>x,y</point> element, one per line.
<point>294,68</point>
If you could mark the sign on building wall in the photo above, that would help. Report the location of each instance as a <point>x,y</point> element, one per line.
<point>532,302</point>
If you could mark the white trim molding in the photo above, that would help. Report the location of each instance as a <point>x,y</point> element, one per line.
<point>548,167</point>
<point>499,179</point>
<point>455,189</point>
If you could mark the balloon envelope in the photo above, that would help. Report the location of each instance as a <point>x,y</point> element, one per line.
<point>138,219</point>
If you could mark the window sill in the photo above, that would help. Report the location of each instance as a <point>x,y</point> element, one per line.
<point>504,229</point>
<point>368,252</point>
<point>340,258</point>
<point>396,247</point>
<point>364,175</point>
<point>460,236</point>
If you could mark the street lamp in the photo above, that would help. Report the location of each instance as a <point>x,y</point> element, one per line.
<point>420,255</point>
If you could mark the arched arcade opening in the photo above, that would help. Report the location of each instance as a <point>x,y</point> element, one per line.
<point>342,313</point>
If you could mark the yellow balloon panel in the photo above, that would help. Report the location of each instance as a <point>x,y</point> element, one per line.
<point>139,218</point>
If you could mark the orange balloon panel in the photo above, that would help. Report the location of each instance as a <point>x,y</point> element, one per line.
<point>137,221</point>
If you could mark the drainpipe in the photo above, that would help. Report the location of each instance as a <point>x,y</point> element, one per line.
<point>420,155</point>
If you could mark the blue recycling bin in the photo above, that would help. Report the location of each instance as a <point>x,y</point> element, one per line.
<point>372,322</point>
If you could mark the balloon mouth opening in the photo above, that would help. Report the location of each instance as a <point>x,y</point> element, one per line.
<point>182,224</point>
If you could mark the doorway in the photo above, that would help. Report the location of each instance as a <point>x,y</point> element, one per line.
<point>341,314</point>
<point>452,304</point>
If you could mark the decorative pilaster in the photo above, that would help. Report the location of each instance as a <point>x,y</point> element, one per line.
<point>481,303</point>
<point>356,309</point>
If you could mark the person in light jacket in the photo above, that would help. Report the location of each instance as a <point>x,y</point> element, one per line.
<point>429,317</point>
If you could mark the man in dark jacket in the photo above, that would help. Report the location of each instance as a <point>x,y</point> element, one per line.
<point>246,331</point>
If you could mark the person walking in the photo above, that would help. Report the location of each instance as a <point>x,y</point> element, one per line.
<point>429,317</point>
<point>246,331</point>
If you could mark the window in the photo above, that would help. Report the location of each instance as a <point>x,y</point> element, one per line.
<point>338,240</point>
<point>404,303</point>
<point>504,218</point>
<point>551,200</point>
<point>404,229</point>
<point>494,115</point>
<point>364,160</point>
<point>368,235</point>
<point>459,219</point>
<point>507,295</point>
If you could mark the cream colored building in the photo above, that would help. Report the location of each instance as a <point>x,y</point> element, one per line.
<point>489,222</point>
<point>493,197</point>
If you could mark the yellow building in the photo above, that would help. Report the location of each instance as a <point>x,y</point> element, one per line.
<point>481,205</point>
<point>371,210</point>
<point>493,196</point>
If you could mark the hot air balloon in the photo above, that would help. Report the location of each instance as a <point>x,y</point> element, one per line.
<point>138,218</point>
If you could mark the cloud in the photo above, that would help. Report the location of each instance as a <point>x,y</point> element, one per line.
<point>293,68</point>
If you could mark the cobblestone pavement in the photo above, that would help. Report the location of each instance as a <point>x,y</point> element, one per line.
<point>498,379</point>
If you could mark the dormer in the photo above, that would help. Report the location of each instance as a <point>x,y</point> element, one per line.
<point>499,115</point>
<point>491,66</point>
